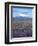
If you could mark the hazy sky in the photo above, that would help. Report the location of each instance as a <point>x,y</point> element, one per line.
<point>24,12</point>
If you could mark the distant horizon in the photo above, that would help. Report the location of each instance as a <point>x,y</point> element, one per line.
<point>21,12</point>
<point>22,16</point>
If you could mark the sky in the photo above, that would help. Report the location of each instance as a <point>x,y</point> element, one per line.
<point>24,12</point>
